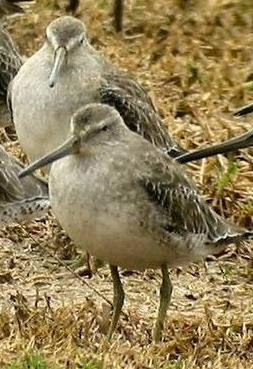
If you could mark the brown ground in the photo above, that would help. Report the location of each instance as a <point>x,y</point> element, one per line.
<point>195,58</point>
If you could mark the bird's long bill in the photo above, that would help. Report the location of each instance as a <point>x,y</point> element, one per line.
<point>245,110</point>
<point>60,57</point>
<point>67,148</point>
<point>240,142</point>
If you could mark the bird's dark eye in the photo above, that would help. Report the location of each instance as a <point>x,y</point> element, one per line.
<point>82,40</point>
<point>105,129</point>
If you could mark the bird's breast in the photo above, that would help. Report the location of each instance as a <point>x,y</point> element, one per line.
<point>42,114</point>
<point>105,216</point>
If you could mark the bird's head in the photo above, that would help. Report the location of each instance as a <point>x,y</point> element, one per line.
<point>92,125</point>
<point>64,36</point>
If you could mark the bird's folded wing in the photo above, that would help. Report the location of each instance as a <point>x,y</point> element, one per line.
<point>139,115</point>
<point>10,7</point>
<point>9,67</point>
<point>10,61</point>
<point>184,209</point>
<point>123,81</point>
<point>10,186</point>
<point>9,101</point>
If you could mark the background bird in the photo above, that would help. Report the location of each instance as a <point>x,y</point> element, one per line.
<point>67,73</point>
<point>10,59</point>
<point>11,7</point>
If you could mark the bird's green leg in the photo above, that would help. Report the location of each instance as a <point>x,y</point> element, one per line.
<point>165,294</point>
<point>118,299</point>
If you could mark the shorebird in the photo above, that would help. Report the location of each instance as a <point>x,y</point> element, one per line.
<point>10,59</point>
<point>240,142</point>
<point>128,203</point>
<point>21,200</point>
<point>66,74</point>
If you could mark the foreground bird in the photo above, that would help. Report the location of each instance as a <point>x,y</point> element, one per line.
<point>66,74</point>
<point>241,142</point>
<point>10,59</point>
<point>127,203</point>
<point>21,200</point>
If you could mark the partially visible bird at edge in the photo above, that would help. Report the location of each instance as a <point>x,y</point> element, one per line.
<point>21,200</point>
<point>10,59</point>
<point>25,199</point>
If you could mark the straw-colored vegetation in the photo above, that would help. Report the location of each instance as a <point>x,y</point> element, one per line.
<point>195,58</point>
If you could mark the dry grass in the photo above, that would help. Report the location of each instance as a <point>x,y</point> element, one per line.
<point>195,58</point>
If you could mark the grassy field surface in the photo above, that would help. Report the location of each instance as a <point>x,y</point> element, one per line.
<point>196,60</point>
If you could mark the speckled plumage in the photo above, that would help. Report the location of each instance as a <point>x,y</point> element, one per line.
<point>10,59</point>
<point>126,202</point>
<point>10,7</point>
<point>137,110</point>
<point>10,63</point>
<point>20,199</point>
<point>85,78</point>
